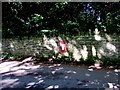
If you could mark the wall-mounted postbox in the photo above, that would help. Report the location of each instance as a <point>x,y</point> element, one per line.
<point>62,46</point>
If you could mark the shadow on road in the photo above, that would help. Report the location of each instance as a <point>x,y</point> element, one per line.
<point>24,75</point>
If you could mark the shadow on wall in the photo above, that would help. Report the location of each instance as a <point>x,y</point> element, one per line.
<point>77,48</point>
<point>106,46</point>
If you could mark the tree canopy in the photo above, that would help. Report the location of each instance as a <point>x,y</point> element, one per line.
<point>30,18</point>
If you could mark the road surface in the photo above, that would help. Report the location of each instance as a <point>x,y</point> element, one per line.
<point>24,75</point>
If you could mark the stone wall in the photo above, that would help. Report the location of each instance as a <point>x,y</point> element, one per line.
<point>77,47</point>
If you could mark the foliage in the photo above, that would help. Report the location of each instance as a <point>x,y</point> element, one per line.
<point>106,61</point>
<point>29,18</point>
<point>32,19</point>
<point>111,61</point>
<point>6,55</point>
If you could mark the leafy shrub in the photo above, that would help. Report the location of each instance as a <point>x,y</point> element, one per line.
<point>111,61</point>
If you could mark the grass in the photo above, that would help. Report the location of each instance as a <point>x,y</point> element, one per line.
<point>106,61</point>
<point>111,62</point>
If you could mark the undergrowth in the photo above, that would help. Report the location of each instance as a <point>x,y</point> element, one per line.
<point>106,61</point>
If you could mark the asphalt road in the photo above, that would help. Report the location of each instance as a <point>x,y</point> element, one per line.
<point>23,75</point>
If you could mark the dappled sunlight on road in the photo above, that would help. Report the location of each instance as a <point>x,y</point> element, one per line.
<point>27,75</point>
<point>8,82</point>
<point>54,65</point>
<point>71,71</point>
<point>60,68</point>
<point>52,87</point>
<point>6,66</point>
<point>55,76</point>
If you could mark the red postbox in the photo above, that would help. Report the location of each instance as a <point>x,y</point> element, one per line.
<point>62,46</point>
